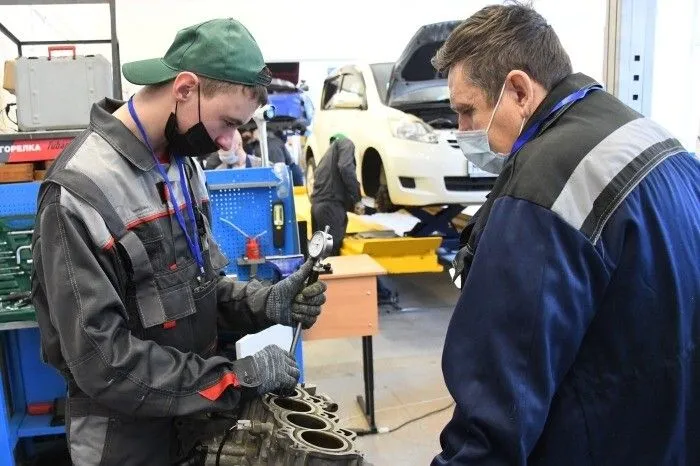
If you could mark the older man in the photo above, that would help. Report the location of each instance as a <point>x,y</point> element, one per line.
<point>575,340</point>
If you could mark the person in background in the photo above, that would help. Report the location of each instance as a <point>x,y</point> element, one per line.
<point>235,157</point>
<point>276,149</point>
<point>297,174</point>
<point>336,190</point>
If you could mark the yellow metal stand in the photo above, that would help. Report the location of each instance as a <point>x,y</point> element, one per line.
<point>396,255</point>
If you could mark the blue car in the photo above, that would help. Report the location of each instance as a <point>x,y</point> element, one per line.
<point>293,108</point>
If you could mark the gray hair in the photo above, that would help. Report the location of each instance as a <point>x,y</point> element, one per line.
<point>500,38</point>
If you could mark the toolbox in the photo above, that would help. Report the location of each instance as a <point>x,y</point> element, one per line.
<point>57,92</point>
<point>15,268</point>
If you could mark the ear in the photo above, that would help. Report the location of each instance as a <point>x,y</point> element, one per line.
<point>184,86</point>
<point>523,88</point>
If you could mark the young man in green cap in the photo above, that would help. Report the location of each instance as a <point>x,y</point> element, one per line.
<point>127,283</point>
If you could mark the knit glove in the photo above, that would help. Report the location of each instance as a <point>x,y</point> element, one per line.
<point>277,370</point>
<point>290,301</point>
<point>359,208</point>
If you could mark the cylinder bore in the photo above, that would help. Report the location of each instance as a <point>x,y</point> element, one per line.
<point>306,421</point>
<point>289,404</point>
<point>323,440</point>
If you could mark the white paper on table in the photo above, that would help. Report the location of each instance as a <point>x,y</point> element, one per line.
<point>279,335</point>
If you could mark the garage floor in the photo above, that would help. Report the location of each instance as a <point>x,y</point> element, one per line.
<point>408,377</point>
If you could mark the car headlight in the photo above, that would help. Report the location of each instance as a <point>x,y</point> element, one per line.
<point>413,130</point>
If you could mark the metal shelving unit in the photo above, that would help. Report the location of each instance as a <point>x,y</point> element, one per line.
<point>40,146</point>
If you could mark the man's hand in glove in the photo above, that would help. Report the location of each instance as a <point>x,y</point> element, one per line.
<point>359,208</point>
<point>277,370</point>
<point>290,302</point>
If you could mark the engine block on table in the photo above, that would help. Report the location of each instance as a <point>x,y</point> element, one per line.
<point>298,430</point>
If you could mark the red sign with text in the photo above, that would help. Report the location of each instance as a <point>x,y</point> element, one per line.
<point>31,150</point>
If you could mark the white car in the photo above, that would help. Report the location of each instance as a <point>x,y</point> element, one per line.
<point>399,118</point>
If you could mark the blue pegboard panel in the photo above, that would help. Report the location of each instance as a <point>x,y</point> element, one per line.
<point>18,198</point>
<point>245,197</point>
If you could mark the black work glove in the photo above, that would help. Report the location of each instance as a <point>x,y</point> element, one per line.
<point>290,302</point>
<point>277,370</point>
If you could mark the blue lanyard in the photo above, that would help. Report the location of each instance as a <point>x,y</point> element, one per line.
<point>535,127</point>
<point>192,240</point>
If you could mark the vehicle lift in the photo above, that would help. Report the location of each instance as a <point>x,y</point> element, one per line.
<point>430,244</point>
<point>440,222</point>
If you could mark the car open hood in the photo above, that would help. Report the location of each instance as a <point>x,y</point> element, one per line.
<point>413,79</point>
<point>288,71</point>
<point>282,85</point>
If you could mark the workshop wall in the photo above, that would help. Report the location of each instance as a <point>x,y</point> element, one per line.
<point>322,37</point>
<point>364,30</point>
<point>676,93</point>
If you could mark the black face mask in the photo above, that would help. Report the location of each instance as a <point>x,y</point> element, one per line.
<point>196,140</point>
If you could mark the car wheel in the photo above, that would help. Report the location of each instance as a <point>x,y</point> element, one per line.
<point>382,201</point>
<point>309,176</point>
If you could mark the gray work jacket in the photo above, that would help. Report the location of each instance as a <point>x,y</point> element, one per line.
<point>121,310</point>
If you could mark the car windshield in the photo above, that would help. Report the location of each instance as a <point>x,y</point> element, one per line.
<point>382,73</point>
<point>431,91</point>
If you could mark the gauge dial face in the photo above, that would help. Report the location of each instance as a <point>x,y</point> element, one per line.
<point>317,244</point>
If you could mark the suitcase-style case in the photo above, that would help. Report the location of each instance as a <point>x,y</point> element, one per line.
<point>55,93</point>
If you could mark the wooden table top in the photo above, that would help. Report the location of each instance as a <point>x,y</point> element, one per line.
<point>360,265</point>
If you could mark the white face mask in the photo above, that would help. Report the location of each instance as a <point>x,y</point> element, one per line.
<point>476,148</point>
<point>228,158</point>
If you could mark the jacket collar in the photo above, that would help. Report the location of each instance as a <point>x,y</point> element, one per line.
<point>565,87</point>
<point>119,136</point>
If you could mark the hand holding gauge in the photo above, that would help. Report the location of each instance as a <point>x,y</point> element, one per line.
<point>320,247</point>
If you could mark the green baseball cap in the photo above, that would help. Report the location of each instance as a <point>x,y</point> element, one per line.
<point>221,49</point>
<point>337,136</point>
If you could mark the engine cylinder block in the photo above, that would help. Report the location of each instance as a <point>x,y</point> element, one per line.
<point>297,430</point>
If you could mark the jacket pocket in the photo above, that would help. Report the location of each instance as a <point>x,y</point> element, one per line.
<point>151,235</point>
<point>170,322</point>
<point>190,321</point>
